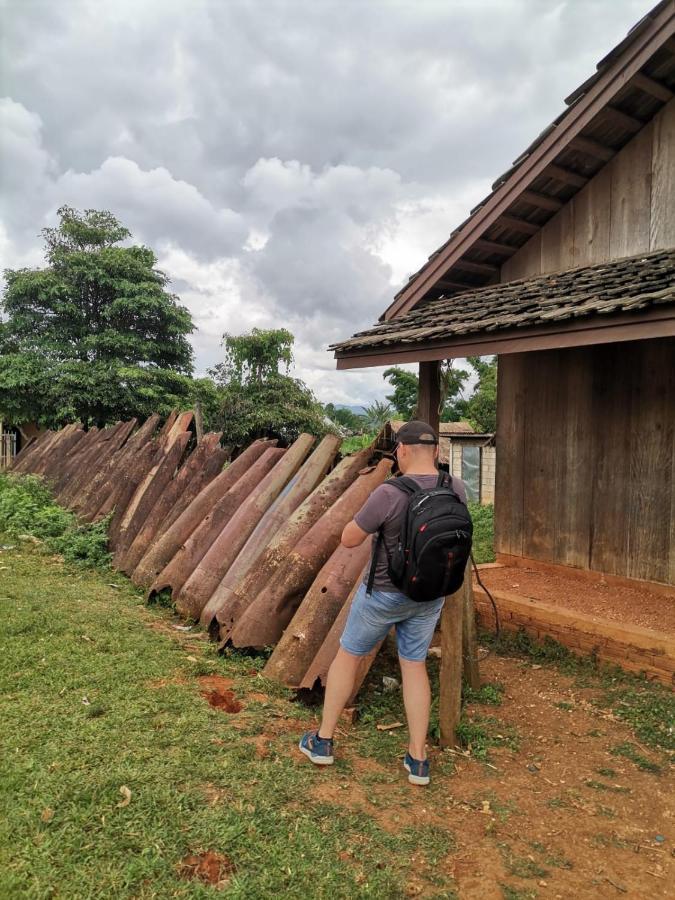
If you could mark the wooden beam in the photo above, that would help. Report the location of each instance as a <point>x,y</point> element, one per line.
<point>565,176</point>
<point>456,285</point>
<point>469,642</point>
<point>541,200</point>
<point>495,247</point>
<point>467,265</point>
<point>592,148</point>
<point>623,120</point>
<point>657,323</point>
<point>652,87</point>
<point>429,393</point>
<point>450,681</point>
<point>517,224</point>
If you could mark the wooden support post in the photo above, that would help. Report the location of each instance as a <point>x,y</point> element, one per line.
<point>450,701</point>
<point>469,643</point>
<point>429,393</point>
<point>199,421</point>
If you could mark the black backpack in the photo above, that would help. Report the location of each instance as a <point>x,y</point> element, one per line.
<point>434,543</point>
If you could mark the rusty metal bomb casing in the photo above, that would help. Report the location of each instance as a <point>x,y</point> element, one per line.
<point>309,627</point>
<point>318,668</point>
<point>296,491</point>
<point>166,500</point>
<point>228,603</point>
<point>222,553</point>
<point>149,491</point>
<point>174,575</point>
<point>161,553</point>
<point>262,624</point>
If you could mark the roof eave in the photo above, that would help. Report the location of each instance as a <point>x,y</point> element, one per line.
<point>652,323</point>
<point>647,40</point>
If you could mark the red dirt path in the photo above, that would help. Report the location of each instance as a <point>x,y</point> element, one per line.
<point>621,604</point>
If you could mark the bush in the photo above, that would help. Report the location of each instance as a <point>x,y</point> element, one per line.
<point>483,532</point>
<point>27,507</point>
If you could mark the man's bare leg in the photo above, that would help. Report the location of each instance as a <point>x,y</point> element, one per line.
<point>339,685</point>
<point>417,701</point>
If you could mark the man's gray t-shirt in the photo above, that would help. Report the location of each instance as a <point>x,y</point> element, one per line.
<point>384,508</point>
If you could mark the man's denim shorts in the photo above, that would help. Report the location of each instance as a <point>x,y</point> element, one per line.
<point>371,617</point>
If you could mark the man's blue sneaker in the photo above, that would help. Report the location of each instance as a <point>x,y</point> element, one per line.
<point>417,769</point>
<point>319,750</point>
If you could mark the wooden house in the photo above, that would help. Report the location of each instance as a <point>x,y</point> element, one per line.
<point>567,272</point>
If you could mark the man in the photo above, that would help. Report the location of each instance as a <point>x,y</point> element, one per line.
<point>371,616</point>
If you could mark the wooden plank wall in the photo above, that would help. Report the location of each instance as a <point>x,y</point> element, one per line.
<point>586,473</point>
<point>625,210</point>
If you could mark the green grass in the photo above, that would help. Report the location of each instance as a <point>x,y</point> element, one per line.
<point>27,510</point>
<point>648,708</point>
<point>94,700</point>
<point>483,532</point>
<point>631,752</point>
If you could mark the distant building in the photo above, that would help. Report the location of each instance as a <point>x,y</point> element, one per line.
<point>466,454</point>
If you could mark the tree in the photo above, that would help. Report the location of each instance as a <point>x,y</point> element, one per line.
<point>406,386</point>
<point>257,399</point>
<point>95,335</point>
<point>345,417</point>
<point>378,414</point>
<point>404,397</point>
<point>481,408</point>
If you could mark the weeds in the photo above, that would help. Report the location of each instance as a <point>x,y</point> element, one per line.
<point>483,532</point>
<point>481,733</point>
<point>488,694</point>
<point>630,751</point>
<point>27,508</point>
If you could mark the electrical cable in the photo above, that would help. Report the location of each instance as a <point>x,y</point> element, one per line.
<point>492,599</point>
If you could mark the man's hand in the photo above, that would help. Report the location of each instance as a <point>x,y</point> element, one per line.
<point>352,535</point>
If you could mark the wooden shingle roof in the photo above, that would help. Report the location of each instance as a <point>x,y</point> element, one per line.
<point>624,286</point>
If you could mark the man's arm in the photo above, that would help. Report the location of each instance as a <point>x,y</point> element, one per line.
<point>352,535</point>
<point>368,519</point>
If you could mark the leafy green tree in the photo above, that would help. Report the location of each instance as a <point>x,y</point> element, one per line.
<point>95,335</point>
<point>404,396</point>
<point>453,404</point>
<point>257,399</point>
<point>377,414</point>
<point>345,417</point>
<point>255,356</point>
<point>481,408</point>
<point>406,386</point>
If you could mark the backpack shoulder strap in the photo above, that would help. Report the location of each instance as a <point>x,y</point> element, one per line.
<point>404,484</point>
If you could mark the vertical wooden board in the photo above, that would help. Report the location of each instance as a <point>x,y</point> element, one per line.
<point>652,401</point>
<point>429,393</point>
<point>591,220</point>
<point>573,468</point>
<point>450,680</point>
<point>631,184</point>
<point>525,263</point>
<point>557,241</point>
<point>611,427</point>
<point>662,235</point>
<point>509,474</point>
<point>542,409</point>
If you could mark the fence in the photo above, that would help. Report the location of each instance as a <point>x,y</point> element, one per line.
<point>7,448</point>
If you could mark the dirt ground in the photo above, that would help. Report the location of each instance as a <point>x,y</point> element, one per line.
<point>621,604</point>
<point>560,817</point>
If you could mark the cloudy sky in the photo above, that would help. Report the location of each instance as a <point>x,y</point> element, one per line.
<point>290,161</point>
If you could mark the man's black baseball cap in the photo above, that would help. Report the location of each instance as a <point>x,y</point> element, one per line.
<point>416,432</point>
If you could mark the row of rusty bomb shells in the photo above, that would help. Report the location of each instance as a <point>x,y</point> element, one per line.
<point>252,550</point>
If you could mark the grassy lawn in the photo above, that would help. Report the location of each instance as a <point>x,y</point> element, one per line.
<point>100,694</point>
<point>119,779</point>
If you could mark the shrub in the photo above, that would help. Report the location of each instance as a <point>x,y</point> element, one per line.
<point>27,507</point>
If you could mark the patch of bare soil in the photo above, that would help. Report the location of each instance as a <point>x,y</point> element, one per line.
<point>562,817</point>
<point>208,866</point>
<point>215,690</point>
<point>621,604</point>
